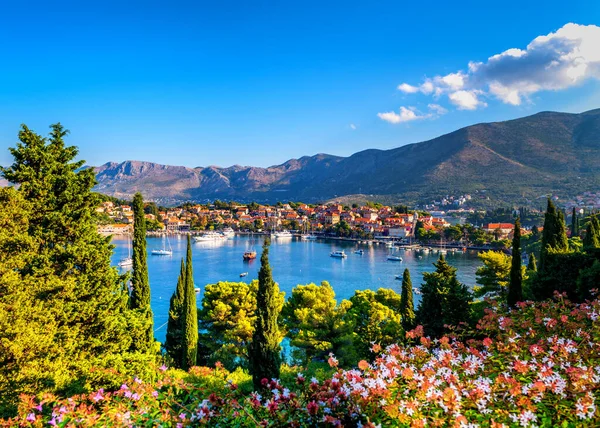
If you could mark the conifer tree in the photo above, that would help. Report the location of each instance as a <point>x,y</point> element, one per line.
<point>190,314</point>
<point>591,238</point>
<point>174,339</point>
<point>407,308</point>
<point>515,286</point>
<point>574,224</point>
<point>140,293</point>
<point>264,352</point>
<point>554,234</point>
<point>532,264</point>
<point>444,300</point>
<point>64,274</point>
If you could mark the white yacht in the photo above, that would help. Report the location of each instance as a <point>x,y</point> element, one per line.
<point>164,251</point>
<point>394,258</point>
<point>228,232</point>
<point>338,254</point>
<point>283,234</point>
<point>309,237</point>
<point>210,236</point>
<point>127,261</point>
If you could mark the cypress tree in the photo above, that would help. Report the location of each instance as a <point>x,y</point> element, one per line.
<point>591,240</point>
<point>264,350</point>
<point>140,293</point>
<point>174,339</point>
<point>515,286</point>
<point>554,234</point>
<point>190,314</point>
<point>532,264</point>
<point>407,310</point>
<point>574,224</point>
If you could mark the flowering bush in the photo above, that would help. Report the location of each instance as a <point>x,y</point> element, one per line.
<point>538,365</point>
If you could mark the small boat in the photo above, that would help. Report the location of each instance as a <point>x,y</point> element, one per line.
<point>416,290</point>
<point>164,251</point>
<point>425,250</point>
<point>249,255</point>
<point>197,289</point>
<point>394,258</point>
<point>399,277</point>
<point>359,252</point>
<point>283,234</point>
<point>243,274</point>
<point>127,261</point>
<point>338,254</point>
<point>228,232</point>
<point>389,244</point>
<point>309,237</point>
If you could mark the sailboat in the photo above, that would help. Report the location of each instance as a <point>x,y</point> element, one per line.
<point>307,235</point>
<point>127,261</point>
<point>164,251</point>
<point>394,257</point>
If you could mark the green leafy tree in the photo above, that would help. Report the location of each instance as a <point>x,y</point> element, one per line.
<point>315,324</point>
<point>227,320</point>
<point>140,284</point>
<point>174,339</point>
<point>376,319</point>
<point>190,314</point>
<point>264,350</point>
<point>407,306</point>
<point>493,276</point>
<point>64,273</point>
<point>515,287</point>
<point>588,280</point>
<point>444,300</point>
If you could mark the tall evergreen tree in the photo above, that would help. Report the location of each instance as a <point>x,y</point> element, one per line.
<point>174,339</point>
<point>515,286</point>
<point>592,236</point>
<point>140,293</point>
<point>554,234</point>
<point>532,264</point>
<point>264,352</point>
<point>64,273</point>
<point>407,308</point>
<point>444,300</point>
<point>574,224</point>
<point>190,314</point>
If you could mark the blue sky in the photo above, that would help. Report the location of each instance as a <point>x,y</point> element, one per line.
<point>256,83</point>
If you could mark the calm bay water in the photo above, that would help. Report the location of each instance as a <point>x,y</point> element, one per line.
<point>293,262</point>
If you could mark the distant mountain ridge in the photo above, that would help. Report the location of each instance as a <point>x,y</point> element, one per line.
<point>547,152</point>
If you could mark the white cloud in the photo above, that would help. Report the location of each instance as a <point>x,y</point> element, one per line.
<point>353,127</point>
<point>556,61</point>
<point>407,114</point>
<point>438,109</point>
<point>466,100</point>
<point>408,89</point>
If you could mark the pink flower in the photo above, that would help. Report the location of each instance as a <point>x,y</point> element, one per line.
<point>155,394</point>
<point>98,396</point>
<point>31,417</point>
<point>163,368</point>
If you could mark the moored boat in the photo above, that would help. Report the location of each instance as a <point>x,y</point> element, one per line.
<point>249,255</point>
<point>338,254</point>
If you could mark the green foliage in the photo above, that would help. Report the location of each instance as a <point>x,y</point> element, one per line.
<point>532,264</point>
<point>264,350</point>
<point>140,284</point>
<point>315,324</point>
<point>554,234</point>
<point>407,306</point>
<point>515,287</point>
<point>227,323</point>
<point>174,338</point>
<point>63,309</point>
<point>493,276</point>
<point>574,223</point>
<point>444,300</point>
<point>560,274</point>
<point>591,238</point>
<point>376,319</point>
<point>190,314</point>
<point>588,280</point>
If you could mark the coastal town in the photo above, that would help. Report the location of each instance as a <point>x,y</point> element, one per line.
<point>371,221</point>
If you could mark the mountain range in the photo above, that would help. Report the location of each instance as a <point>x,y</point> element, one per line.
<point>548,152</point>
<point>515,160</point>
